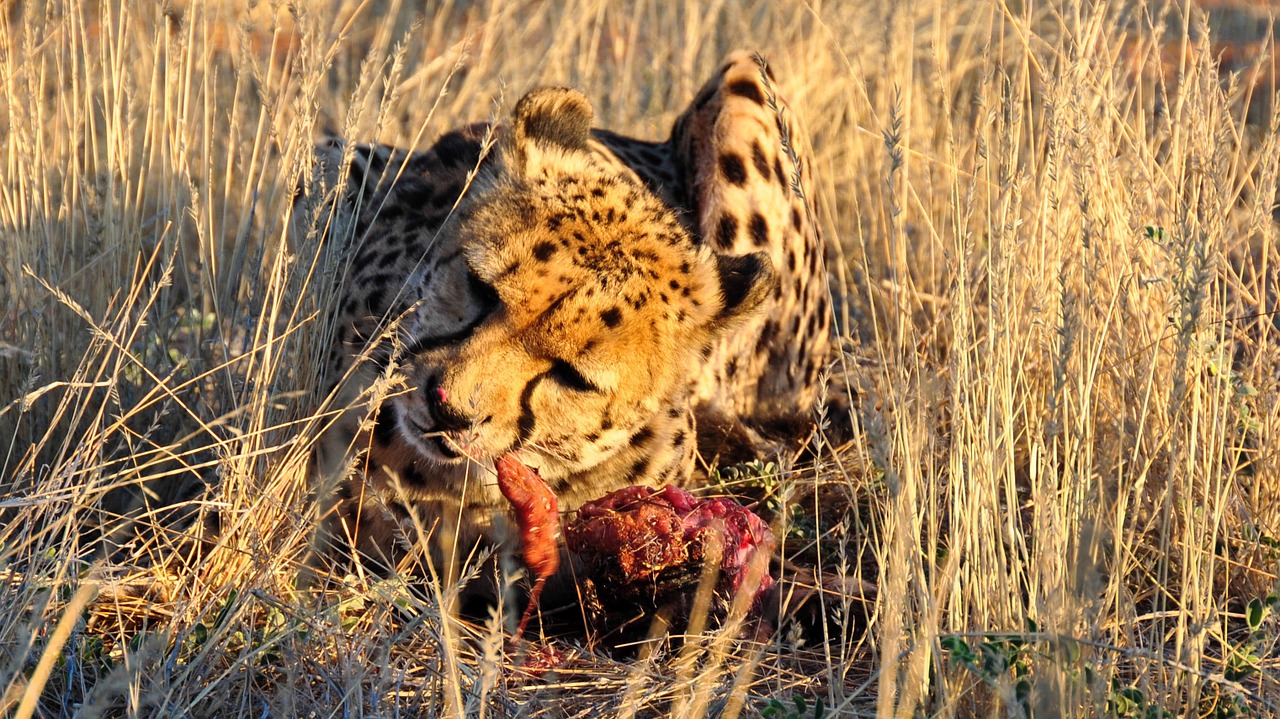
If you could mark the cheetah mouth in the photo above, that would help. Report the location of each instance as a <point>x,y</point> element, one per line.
<point>435,441</point>
<point>444,446</point>
<point>448,445</point>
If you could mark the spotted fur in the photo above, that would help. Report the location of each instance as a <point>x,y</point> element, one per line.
<point>580,297</point>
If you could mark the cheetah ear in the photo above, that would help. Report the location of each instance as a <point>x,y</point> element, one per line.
<point>549,117</point>
<point>745,282</point>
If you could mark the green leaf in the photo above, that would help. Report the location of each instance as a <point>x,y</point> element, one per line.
<point>959,649</point>
<point>1242,664</point>
<point>1255,613</point>
<point>994,660</point>
<point>1127,702</point>
<point>225,609</point>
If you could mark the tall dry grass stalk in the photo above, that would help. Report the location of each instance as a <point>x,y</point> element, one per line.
<point>1058,236</point>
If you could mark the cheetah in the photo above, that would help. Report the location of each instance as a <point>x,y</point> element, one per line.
<point>598,304</point>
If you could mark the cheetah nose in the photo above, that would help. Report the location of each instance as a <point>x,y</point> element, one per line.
<point>434,393</point>
<point>447,417</point>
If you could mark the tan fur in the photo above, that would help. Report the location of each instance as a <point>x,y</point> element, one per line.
<point>576,306</point>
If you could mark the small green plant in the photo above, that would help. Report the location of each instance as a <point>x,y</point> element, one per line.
<point>754,474</point>
<point>1244,659</point>
<point>762,481</point>
<point>1129,702</point>
<point>993,659</point>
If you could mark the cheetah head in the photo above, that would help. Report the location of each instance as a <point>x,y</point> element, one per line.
<point>595,305</point>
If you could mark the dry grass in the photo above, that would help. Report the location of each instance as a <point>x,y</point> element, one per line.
<point>1062,261</point>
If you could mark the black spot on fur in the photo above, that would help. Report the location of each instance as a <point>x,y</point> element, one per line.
<point>509,269</point>
<point>344,491</point>
<point>414,194</point>
<point>391,212</point>
<point>759,160</point>
<point>733,169</point>
<point>759,230</point>
<point>726,231</point>
<point>644,435</point>
<point>640,467</point>
<point>543,251</point>
<point>796,221</point>
<point>411,475</point>
<point>611,317</point>
<point>768,333</point>
<point>448,195</point>
<point>748,89</point>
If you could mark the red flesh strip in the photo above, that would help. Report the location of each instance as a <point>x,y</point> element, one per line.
<point>537,514</point>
